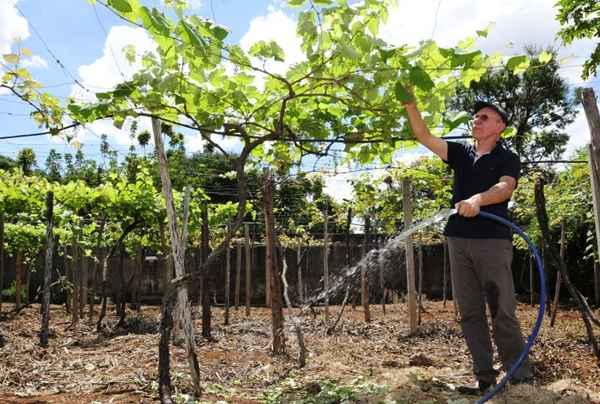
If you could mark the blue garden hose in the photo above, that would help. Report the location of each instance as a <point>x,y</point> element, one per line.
<point>540,316</point>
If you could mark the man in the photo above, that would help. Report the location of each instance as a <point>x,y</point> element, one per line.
<point>485,176</point>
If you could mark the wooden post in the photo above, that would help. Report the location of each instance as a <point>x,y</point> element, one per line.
<point>76,270</point>
<point>590,106</point>
<point>364,277</point>
<point>445,273</point>
<point>272,264</point>
<point>248,268</point>
<point>1,257</point>
<point>268,269</point>
<point>178,244</point>
<point>83,297</point>
<point>420,287</point>
<point>563,249</point>
<point>96,266</point>
<point>306,272</point>
<point>207,276</point>
<point>299,270</point>
<point>326,260</point>
<point>410,257</point>
<point>18,273</point>
<point>454,302</point>
<point>531,283</point>
<point>348,227</point>
<point>227,281</point>
<point>384,291</point>
<point>47,270</point>
<point>597,281</point>
<point>238,273</point>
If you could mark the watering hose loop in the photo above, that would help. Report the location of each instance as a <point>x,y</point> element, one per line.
<point>540,316</point>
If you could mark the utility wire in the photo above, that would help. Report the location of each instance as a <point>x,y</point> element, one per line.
<point>56,59</point>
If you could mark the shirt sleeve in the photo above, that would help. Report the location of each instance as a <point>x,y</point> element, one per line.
<point>456,155</point>
<point>512,167</point>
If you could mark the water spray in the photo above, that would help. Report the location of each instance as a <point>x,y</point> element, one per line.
<point>438,217</point>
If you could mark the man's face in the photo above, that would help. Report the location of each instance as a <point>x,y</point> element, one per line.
<point>487,123</point>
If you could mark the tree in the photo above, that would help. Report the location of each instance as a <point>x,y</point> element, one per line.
<point>26,160</point>
<point>6,163</point>
<point>54,166</point>
<point>537,101</point>
<point>581,19</point>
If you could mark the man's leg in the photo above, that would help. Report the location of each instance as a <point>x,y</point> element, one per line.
<point>469,295</point>
<point>494,268</point>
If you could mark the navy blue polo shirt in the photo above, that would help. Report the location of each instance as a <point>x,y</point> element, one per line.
<point>473,175</point>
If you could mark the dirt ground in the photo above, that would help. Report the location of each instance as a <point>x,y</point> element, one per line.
<point>358,363</point>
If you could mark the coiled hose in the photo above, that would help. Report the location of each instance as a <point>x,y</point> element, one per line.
<point>538,322</point>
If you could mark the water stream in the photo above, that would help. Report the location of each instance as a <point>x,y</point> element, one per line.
<point>385,257</point>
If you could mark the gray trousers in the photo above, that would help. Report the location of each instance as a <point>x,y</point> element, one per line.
<point>481,272</point>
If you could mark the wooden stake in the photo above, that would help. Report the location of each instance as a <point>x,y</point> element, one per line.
<point>597,281</point>
<point>410,257</point>
<point>563,249</point>
<point>364,278</point>
<point>326,261</point>
<point>238,273</point>
<point>227,281</point>
<point>47,269</point>
<point>1,257</point>
<point>420,287</point>
<point>206,277</point>
<point>299,270</point>
<point>178,244</point>
<point>248,268</point>
<point>272,264</point>
<point>18,274</point>
<point>445,273</point>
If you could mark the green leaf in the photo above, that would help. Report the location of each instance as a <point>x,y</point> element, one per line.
<point>296,3</point>
<point>545,57</point>
<point>118,121</point>
<point>421,79</point>
<point>509,132</point>
<point>220,32</point>
<point>322,2</point>
<point>462,118</point>
<point>129,51</point>
<point>195,40</point>
<point>267,50</point>
<point>349,52</point>
<point>484,32</point>
<point>401,93</point>
<point>121,6</point>
<point>518,64</point>
<point>11,58</point>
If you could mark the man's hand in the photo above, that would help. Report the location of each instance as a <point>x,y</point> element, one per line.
<point>410,101</point>
<point>469,207</point>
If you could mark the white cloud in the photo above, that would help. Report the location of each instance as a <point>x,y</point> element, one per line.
<point>109,70</point>
<point>35,62</point>
<point>194,4</point>
<point>112,67</point>
<point>281,28</point>
<point>13,27</point>
<point>579,133</point>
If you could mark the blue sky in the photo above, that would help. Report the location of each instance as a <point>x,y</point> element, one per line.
<point>87,41</point>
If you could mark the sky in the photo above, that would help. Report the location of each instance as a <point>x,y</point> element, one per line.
<point>76,52</point>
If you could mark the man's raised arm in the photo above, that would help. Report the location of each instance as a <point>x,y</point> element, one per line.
<point>422,133</point>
